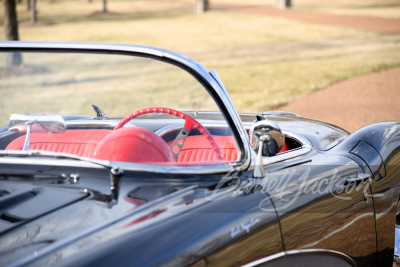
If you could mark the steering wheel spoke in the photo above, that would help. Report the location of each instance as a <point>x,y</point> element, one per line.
<point>177,145</point>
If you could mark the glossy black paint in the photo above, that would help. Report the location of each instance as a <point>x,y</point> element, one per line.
<point>323,136</point>
<point>372,158</point>
<point>304,204</point>
<point>192,229</point>
<point>385,139</point>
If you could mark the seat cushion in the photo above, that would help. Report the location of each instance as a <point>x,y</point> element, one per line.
<point>78,142</point>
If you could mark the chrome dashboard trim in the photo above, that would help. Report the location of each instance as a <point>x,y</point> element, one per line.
<point>301,251</point>
<point>96,123</point>
<point>175,127</point>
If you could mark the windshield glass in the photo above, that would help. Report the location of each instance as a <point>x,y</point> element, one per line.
<point>75,103</point>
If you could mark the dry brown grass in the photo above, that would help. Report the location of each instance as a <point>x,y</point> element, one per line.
<point>264,62</point>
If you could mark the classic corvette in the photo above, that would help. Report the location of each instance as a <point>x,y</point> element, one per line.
<point>123,155</point>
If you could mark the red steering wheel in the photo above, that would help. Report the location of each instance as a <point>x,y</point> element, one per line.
<point>190,123</point>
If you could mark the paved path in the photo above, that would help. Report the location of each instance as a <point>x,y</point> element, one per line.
<point>365,23</point>
<point>354,103</point>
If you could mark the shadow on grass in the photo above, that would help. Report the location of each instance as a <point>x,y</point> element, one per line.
<point>98,16</point>
<point>376,6</point>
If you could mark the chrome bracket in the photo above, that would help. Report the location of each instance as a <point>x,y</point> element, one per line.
<point>259,170</point>
<point>27,142</point>
<point>99,113</point>
<point>361,178</point>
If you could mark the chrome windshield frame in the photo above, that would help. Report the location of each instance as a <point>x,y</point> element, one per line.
<point>220,93</point>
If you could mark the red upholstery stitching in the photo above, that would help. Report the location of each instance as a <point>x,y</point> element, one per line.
<point>79,142</point>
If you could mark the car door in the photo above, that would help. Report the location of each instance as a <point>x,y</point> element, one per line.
<point>321,204</point>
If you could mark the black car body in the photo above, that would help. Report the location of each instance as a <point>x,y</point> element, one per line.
<point>80,187</point>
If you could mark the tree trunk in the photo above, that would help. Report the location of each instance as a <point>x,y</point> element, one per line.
<point>10,21</point>
<point>28,5</point>
<point>33,11</point>
<point>11,31</point>
<point>201,6</point>
<point>284,3</point>
<point>105,6</point>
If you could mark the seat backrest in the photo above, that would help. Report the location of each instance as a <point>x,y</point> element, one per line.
<point>81,142</point>
<point>196,148</point>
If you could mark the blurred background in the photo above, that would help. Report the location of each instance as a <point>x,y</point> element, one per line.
<point>337,61</point>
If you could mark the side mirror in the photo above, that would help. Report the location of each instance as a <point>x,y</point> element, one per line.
<point>24,123</point>
<point>266,139</point>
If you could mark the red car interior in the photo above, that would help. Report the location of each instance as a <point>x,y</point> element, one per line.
<point>77,142</point>
<point>119,145</point>
<point>197,148</point>
<point>134,144</point>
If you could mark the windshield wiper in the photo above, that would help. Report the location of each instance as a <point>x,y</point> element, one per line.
<point>115,171</point>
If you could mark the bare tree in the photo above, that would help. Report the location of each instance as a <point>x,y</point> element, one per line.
<point>10,21</point>
<point>284,3</point>
<point>11,30</point>
<point>201,6</point>
<point>104,6</point>
<point>33,11</point>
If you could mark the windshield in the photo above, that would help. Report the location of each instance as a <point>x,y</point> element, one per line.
<point>85,103</point>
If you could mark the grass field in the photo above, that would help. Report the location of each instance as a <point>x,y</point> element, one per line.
<point>264,62</point>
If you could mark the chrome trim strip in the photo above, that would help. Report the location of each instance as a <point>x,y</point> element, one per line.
<point>83,46</point>
<point>279,113</point>
<point>127,166</point>
<point>175,127</point>
<point>173,56</point>
<point>304,149</point>
<point>6,133</point>
<point>136,212</point>
<point>266,259</point>
<point>104,123</point>
<point>298,251</point>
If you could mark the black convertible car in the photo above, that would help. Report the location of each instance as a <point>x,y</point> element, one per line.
<point>122,155</point>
